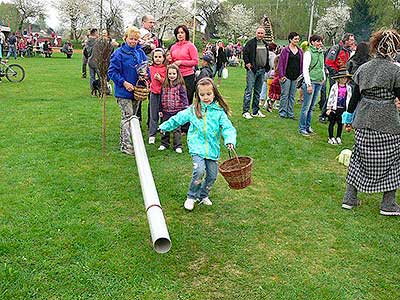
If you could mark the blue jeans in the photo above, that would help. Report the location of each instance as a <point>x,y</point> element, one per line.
<point>263,93</point>
<point>200,188</point>
<point>12,51</point>
<point>309,101</point>
<point>253,82</point>
<point>286,104</point>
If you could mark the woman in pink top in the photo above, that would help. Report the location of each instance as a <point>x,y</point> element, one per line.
<point>184,54</point>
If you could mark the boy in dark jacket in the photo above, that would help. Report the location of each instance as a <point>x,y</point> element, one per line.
<point>206,67</point>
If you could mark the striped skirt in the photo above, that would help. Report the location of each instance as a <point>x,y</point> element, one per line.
<point>375,162</point>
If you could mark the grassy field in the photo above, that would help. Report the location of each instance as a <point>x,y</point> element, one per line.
<point>73,225</point>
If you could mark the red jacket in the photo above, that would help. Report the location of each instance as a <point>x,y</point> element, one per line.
<point>337,58</point>
<point>155,85</point>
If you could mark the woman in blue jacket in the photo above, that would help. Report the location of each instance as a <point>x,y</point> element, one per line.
<point>123,70</point>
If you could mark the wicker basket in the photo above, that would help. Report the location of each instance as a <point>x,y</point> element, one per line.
<point>237,171</point>
<point>141,91</point>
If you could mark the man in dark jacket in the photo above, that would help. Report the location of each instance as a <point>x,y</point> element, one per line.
<point>255,56</point>
<point>87,52</point>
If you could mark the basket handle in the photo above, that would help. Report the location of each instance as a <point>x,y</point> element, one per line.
<point>234,152</point>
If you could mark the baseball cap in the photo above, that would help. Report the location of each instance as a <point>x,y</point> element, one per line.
<point>208,58</point>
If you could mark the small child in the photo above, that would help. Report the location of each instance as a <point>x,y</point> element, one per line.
<point>338,100</point>
<point>158,73</point>
<point>208,121</point>
<point>206,70</point>
<point>173,100</point>
<point>274,91</point>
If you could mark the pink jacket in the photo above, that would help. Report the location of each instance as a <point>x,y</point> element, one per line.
<point>187,54</point>
<point>155,86</point>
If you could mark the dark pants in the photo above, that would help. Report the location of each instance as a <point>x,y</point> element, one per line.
<point>177,143</point>
<point>154,109</point>
<point>190,87</point>
<point>323,110</point>
<point>335,117</point>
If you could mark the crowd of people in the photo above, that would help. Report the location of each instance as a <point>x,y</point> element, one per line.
<point>189,102</point>
<point>23,45</point>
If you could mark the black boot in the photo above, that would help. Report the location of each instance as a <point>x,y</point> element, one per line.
<point>350,197</point>
<point>389,207</point>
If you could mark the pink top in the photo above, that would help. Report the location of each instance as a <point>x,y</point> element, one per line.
<point>187,54</point>
<point>155,85</point>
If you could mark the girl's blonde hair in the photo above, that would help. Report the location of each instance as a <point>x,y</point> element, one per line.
<point>132,30</point>
<point>217,97</point>
<point>385,42</point>
<point>179,79</point>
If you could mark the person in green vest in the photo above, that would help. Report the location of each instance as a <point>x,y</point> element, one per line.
<point>314,77</point>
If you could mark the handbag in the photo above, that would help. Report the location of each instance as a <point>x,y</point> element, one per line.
<point>300,79</point>
<point>225,73</point>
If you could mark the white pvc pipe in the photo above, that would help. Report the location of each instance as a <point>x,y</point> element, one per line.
<point>158,227</point>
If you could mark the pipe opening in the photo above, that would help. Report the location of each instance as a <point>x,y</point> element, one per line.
<point>162,245</point>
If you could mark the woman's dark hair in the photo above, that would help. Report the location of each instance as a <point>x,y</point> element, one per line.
<point>362,53</point>
<point>272,46</point>
<point>316,38</point>
<point>292,35</point>
<point>184,28</point>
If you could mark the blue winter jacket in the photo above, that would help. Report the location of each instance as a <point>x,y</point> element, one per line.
<point>122,68</point>
<point>204,135</point>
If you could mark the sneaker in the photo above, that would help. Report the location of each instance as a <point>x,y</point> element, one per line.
<point>152,140</point>
<point>332,141</point>
<point>259,114</point>
<point>128,151</point>
<point>391,211</point>
<point>189,203</point>
<point>162,148</point>
<point>247,116</point>
<point>351,205</point>
<point>338,140</point>
<point>178,150</point>
<point>206,201</point>
<point>310,130</point>
<point>304,133</point>
<point>322,120</point>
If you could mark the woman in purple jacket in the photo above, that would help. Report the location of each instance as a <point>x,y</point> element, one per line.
<point>289,68</point>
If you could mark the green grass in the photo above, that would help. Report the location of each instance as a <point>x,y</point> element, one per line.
<point>73,225</point>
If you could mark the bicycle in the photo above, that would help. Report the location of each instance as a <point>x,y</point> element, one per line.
<point>13,72</point>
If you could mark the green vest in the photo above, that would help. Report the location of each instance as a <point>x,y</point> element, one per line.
<point>317,59</point>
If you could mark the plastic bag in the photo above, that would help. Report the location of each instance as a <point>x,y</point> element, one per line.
<point>344,157</point>
<point>225,73</point>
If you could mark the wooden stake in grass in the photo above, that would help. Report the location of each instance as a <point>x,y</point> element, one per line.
<point>101,55</point>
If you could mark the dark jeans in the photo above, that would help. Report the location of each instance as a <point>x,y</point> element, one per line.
<point>190,87</point>
<point>154,108</point>
<point>323,110</point>
<point>335,117</point>
<point>177,143</point>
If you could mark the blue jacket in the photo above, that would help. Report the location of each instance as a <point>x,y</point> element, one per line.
<point>204,135</point>
<point>122,68</point>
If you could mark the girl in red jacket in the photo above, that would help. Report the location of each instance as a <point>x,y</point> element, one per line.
<point>158,73</point>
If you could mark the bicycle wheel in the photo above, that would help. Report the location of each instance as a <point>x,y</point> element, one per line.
<point>15,73</point>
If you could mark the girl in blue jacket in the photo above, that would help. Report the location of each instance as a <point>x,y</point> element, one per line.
<point>123,70</point>
<point>208,118</point>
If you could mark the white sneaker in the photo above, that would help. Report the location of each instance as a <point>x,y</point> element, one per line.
<point>178,150</point>
<point>259,114</point>
<point>152,140</point>
<point>338,140</point>
<point>247,116</point>
<point>332,141</point>
<point>206,201</point>
<point>189,203</point>
<point>162,148</point>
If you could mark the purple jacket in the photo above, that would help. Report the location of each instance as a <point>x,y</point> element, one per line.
<point>283,61</point>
